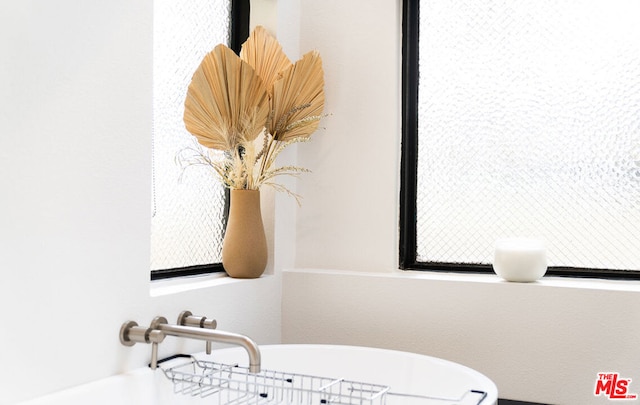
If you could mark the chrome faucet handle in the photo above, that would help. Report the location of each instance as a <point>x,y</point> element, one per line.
<point>155,336</point>
<point>131,333</point>
<point>186,318</point>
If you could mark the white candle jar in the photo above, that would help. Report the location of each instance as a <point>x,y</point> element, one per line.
<point>520,260</point>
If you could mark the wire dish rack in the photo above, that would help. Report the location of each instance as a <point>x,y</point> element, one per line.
<point>232,384</point>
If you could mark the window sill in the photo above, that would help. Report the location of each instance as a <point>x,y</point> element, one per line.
<point>544,283</point>
<point>177,285</point>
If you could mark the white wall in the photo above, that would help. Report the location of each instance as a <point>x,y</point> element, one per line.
<point>540,342</point>
<point>75,161</point>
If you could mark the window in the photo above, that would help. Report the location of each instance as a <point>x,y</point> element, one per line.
<point>520,119</point>
<point>188,206</point>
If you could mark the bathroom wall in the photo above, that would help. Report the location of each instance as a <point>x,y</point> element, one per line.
<point>542,342</point>
<point>75,161</point>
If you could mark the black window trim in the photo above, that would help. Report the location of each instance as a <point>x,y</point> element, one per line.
<point>408,169</point>
<point>238,34</point>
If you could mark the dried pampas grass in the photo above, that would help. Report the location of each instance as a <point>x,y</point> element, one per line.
<point>251,107</point>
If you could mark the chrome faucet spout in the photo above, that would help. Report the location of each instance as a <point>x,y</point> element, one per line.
<point>212,335</point>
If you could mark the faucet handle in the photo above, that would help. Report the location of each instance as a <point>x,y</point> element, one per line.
<point>186,318</point>
<point>131,333</point>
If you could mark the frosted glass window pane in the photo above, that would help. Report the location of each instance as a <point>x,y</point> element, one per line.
<point>187,215</point>
<point>529,126</point>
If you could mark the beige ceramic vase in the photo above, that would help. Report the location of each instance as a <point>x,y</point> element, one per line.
<point>244,249</point>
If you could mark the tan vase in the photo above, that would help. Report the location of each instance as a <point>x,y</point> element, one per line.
<point>244,248</point>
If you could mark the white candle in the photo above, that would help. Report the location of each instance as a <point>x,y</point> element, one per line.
<point>522,260</point>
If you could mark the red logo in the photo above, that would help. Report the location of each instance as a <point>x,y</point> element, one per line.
<point>614,387</point>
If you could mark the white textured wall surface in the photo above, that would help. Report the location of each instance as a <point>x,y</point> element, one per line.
<point>541,342</point>
<point>75,172</point>
<point>348,218</point>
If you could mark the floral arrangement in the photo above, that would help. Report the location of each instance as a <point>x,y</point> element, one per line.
<point>251,107</point>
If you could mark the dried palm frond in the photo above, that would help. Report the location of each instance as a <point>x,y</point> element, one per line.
<point>265,55</point>
<point>298,97</point>
<point>227,102</point>
<point>252,107</point>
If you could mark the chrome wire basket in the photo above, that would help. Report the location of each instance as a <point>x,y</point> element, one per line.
<point>232,384</point>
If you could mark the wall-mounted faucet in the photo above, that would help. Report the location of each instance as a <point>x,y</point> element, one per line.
<point>188,327</point>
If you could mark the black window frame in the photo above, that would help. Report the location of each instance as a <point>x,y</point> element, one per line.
<point>238,34</point>
<point>409,166</point>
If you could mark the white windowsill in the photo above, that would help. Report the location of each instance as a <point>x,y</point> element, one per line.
<point>545,282</point>
<point>182,284</point>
